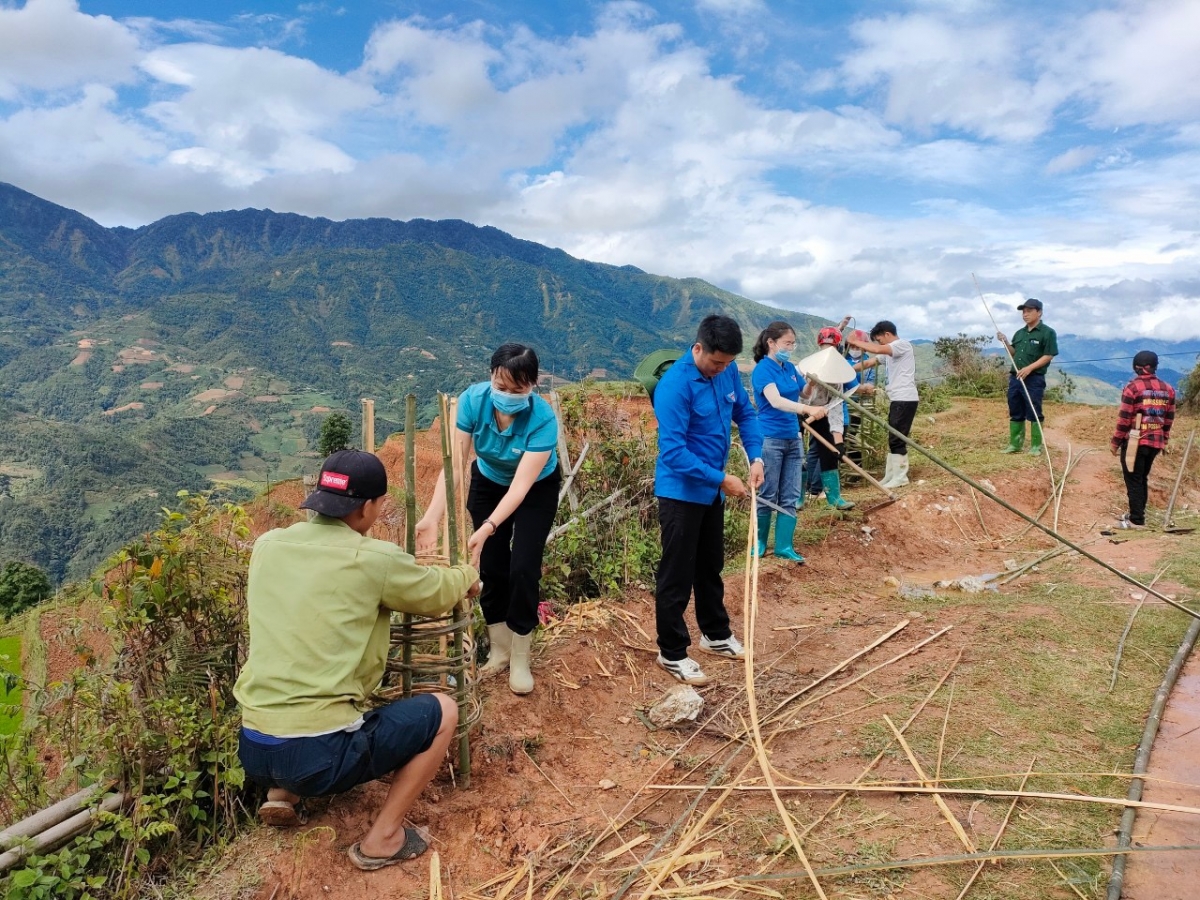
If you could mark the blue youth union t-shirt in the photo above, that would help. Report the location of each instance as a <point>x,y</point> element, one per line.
<point>533,430</point>
<point>776,423</point>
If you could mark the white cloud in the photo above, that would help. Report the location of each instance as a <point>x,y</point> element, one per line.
<point>1070,160</point>
<point>935,72</point>
<point>1139,62</point>
<point>49,45</point>
<point>245,113</point>
<point>731,7</point>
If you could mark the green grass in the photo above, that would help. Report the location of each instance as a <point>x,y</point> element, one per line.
<point>10,700</point>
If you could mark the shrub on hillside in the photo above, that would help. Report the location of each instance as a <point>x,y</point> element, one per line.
<point>22,585</point>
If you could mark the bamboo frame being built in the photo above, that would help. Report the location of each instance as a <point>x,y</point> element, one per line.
<point>451,667</point>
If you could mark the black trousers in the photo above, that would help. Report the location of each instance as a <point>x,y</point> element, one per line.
<point>901,414</point>
<point>1137,481</point>
<point>511,562</point>
<point>828,458</point>
<point>693,555</point>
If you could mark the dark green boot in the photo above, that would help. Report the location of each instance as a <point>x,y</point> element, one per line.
<point>1035,438</point>
<point>785,530</point>
<point>1016,437</point>
<point>764,529</point>
<point>833,490</point>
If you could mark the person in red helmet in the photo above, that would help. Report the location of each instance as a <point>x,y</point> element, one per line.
<point>823,462</point>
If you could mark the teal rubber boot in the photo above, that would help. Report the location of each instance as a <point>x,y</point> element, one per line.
<point>1016,437</point>
<point>764,529</point>
<point>785,531</point>
<point>833,490</point>
<point>1035,438</point>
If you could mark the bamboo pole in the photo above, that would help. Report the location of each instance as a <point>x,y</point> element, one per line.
<point>60,833</point>
<point>883,788</point>
<point>564,455</point>
<point>1178,480</point>
<point>851,463</point>
<point>1125,634</point>
<point>410,518</point>
<point>566,488</point>
<point>462,609</point>
<point>937,798</point>
<point>999,833</point>
<point>933,457</point>
<point>48,817</point>
<point>368,425</point>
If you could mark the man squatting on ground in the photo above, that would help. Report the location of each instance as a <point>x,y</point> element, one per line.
<point>696,402</point>
<point>1032,348</point>
<point>900,364</point>
<point>1145,418</point>
<point>320,597</point>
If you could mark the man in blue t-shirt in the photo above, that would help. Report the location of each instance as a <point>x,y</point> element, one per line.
<point>696,403</point>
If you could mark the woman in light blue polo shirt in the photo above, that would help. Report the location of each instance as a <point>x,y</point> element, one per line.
<point>777,387</point>
<point>512,501</point>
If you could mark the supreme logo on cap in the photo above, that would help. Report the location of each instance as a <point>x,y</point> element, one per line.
<point>335,481</point>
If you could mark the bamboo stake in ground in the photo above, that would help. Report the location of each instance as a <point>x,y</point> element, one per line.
<point>410,519</point>
<point>368,425</point>
<point>463,608</point>
<point>1178,480</point>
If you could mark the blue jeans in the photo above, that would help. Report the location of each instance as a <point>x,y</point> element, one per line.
<point>812,467</point>
<point>1018,406</point>
<point>782,464</point>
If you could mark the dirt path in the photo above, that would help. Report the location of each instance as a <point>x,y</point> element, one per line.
<point>551,770</point>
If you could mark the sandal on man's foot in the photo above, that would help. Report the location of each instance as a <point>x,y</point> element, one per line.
<point>416,842</point>
<point>283,813</point>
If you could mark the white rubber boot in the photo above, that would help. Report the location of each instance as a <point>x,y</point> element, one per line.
<point>889,470</point>
<point>501,641</point>
<point>520,679</point>
<point>900,477</point>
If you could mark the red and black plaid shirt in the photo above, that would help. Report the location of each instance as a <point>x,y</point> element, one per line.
<point>1154,401</point>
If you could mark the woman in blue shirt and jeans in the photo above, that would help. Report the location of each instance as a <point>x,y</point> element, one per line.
<point>777,387</point>
<point>512,500</point>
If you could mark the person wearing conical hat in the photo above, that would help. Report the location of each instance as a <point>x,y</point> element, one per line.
<point>901,368</point>
<point>823,475</point>
<point>1143,426</point>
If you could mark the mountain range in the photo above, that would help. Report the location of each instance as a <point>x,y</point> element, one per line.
<point>204,349</point>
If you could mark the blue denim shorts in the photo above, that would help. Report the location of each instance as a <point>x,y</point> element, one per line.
<point>334,763</point>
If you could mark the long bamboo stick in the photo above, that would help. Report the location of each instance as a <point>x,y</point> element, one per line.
<point>1178,480</point>
<point>463,609</point>
<point>958,792</point>
<point>848,461</point>
<point>955,825</point>
<point>933,457</point>
<point>48,817</point>
<point>1125,634</point>
<point>999,832</point>
<point>410,518</point>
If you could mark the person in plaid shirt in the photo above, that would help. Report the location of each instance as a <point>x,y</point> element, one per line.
<point>1144,421</point>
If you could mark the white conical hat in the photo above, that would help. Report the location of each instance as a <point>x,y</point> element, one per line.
<point>826,365</point>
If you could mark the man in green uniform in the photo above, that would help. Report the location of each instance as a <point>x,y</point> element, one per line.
<point>1032,348</point>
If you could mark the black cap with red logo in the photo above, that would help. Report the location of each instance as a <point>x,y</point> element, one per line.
<point>349,478</point>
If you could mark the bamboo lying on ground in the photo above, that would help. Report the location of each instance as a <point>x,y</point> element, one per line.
<point>1021,570</point>
<point>590,511</point>
<point>1178,480</point>
<point>1125,634</point>
<point>955,825</point>
<point>60,833</point>
<point>999,833</point>
<point>883,788</point>
<point>48,817</point>
<point>990,856</point>
<point>1012,509</point>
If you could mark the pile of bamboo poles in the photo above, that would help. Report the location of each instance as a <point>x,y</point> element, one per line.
<point>55,825</point>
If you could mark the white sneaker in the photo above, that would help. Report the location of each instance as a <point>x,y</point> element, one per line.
<point>686,670</point>
<point>729,647</point>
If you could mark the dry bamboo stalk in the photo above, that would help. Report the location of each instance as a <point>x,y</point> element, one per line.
<point>937,772</point>
<point>1067,881</point>
<point>993,856</point>
<point>591,510</point>
<point>49,817</point>
<point>883,788</point>
<point>564,456</point>
<point>570,479</point>
<point>937,798</point>
<point>999,833</point>
<point>547,777</point>
<point>979,512</point>
<point>60,832</point>
<point>1178,480</point>
<point>1125,634</point>
<point>750,616</point>
<point>878,756</point>
<point>435,876</point>
<point>1062,486</point>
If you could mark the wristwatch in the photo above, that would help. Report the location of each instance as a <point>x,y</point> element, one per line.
<point>757,459</point>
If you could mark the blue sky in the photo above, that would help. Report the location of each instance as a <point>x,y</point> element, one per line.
<point>835,158</point>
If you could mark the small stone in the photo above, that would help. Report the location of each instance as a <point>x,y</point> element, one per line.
<point>624,720</point>
<point>679,704</point>
<point>1137,595</point>
<point>607,784</point>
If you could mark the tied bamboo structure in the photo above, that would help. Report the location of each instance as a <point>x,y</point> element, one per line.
<point>437,654</point>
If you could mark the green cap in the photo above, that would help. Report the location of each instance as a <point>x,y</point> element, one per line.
<point>652,368</point>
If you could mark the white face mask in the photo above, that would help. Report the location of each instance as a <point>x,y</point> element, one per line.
<point>855,353</point>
